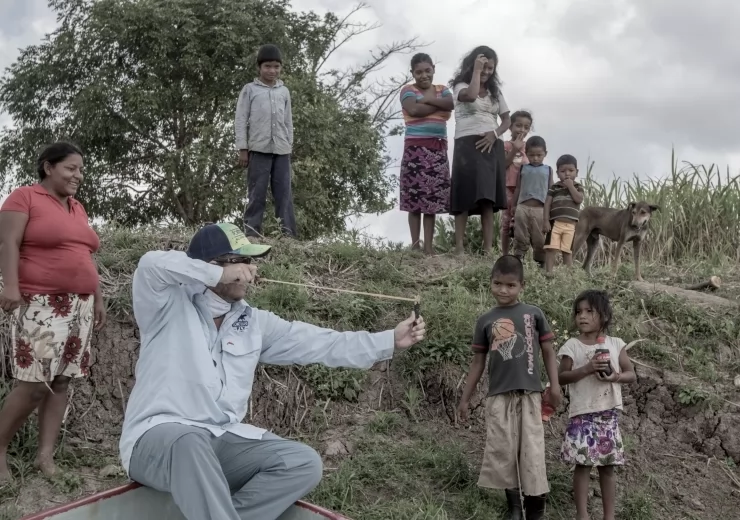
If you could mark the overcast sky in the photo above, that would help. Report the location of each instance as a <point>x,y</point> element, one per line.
<point>619,81</point>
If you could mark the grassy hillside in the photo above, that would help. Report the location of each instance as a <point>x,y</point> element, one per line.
<point>391,445</point>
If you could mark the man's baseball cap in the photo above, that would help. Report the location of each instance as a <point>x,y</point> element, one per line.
<point>215,240</point>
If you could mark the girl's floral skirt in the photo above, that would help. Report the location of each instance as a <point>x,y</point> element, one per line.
<point>425,179</point>
<point>593,439</point>
<point>51,336</point>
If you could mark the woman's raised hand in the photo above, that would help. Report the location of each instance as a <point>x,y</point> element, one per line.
<point>480,61</point>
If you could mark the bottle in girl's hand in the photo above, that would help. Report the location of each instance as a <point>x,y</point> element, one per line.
<point>602,354</point>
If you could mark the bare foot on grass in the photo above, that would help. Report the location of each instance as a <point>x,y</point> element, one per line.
<point>5,475</point>
<point>46,466</point>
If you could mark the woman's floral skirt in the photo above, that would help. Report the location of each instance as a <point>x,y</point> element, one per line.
<point>593,439</point>
<point>51,336</point>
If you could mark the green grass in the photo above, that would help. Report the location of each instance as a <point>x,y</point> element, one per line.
<point>403,470</point>
<point>637,506</point>
<point>431,477</point>
<point>384,423</point>
<point>9,512</point>
<point>21,451</point>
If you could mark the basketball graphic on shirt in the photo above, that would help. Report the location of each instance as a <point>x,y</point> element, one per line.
<point>504,337</point>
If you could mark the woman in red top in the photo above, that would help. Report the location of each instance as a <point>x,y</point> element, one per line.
<point>51,286</point>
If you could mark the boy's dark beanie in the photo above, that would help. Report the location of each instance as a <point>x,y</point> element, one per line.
<point>269,53</point>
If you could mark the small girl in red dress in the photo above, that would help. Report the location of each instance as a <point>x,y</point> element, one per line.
<point>521,123</point>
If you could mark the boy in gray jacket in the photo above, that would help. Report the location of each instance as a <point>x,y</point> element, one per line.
<point>264,138</point>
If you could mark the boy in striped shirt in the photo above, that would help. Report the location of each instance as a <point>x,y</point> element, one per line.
<point>562,207</point>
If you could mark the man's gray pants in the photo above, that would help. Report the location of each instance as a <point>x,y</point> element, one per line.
<point>227,477</point>
<point>272,169</point>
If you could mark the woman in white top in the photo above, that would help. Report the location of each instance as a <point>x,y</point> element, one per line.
<point>478,162</point>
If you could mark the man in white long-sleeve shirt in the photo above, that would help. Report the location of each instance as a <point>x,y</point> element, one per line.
<point>200,345</point>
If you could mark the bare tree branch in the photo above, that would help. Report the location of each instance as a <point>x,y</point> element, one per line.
<point>352,30</point>
<point>385,99</point>
<point>351,82</point>
<point>357,75</point>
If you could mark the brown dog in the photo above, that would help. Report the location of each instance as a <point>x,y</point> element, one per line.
<point>619,225</point>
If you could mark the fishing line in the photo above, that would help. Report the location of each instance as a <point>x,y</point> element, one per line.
<point>360,293</point>
<point>416,301</point>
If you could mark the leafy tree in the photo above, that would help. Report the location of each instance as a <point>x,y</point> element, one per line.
<point>148,89</point>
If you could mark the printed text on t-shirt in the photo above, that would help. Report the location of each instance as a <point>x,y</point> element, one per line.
<point>528,336</point>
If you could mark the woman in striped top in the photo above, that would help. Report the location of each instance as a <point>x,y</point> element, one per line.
<point>425,168</point>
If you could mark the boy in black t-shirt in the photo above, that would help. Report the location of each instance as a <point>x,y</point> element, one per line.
<point>514,333</point>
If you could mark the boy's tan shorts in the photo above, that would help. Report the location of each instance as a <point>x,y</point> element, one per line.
<point>515,444</point>
<point>560,236</point>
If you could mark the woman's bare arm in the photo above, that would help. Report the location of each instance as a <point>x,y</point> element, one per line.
<point>12,227</point>
<point>505,124</point>
<point>415,109</point>
<point>441,103</point>
<point>470,93</point>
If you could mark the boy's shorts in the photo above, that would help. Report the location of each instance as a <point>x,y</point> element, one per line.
<point>560,237</point>
<point>515,444</point>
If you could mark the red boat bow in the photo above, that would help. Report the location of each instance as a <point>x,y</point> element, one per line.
<point>134,485</point>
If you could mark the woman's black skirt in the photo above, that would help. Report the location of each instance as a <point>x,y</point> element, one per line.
<point>477,178</point>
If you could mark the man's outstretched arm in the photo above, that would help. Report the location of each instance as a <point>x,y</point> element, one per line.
<point>298,343</point>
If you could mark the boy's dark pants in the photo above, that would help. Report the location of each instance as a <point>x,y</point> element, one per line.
<point>272,169</point>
